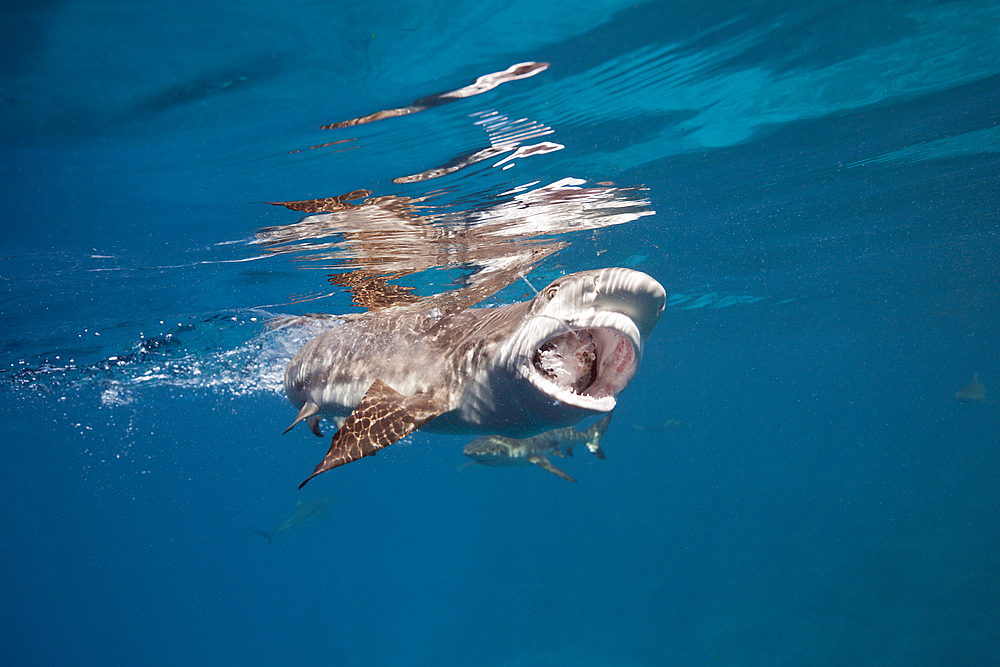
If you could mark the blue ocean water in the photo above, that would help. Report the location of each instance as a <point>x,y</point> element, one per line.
<point>795,476</point>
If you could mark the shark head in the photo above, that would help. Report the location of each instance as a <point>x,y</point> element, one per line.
<point>582,340</point>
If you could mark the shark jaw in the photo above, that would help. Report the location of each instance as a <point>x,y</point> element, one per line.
<point>583,343</point>
<point>587,367</point>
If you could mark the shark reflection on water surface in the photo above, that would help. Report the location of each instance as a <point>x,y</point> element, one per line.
<point>389,237</point>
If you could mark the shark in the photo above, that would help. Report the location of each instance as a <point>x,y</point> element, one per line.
<point>496,450</point>
<point>974,392</point>
<point>304,512</point>
<point>514,371</point>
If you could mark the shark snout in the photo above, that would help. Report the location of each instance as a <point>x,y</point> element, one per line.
<point>634,294</point>
<point>576,299</point>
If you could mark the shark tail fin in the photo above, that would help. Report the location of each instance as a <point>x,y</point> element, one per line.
<point>594,434</point>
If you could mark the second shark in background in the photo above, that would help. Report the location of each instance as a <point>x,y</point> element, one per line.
<point>495,450</point>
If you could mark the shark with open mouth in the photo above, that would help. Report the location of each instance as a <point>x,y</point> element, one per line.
<point>515,370</point>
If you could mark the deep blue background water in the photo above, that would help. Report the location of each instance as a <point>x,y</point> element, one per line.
<point>829,502</point>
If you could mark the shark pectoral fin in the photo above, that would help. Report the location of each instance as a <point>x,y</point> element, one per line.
<point>381,418</point>
<point>544,463</point>
<point>307,412</point>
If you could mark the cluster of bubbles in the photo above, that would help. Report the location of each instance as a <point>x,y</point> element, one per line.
<point>239,353</point>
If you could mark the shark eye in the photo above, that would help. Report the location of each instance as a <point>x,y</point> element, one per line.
<point>550,293</point>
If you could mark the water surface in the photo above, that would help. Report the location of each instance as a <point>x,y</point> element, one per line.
<point>789,480</point>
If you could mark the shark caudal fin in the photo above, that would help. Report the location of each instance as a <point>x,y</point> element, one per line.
<point>594,434</point>
<point>592,437</point>
<point>381,418</point>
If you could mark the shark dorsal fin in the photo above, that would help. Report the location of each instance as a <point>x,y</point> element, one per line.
<point>381,418</point>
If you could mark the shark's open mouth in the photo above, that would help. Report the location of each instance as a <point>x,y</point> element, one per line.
<point>597,363</point>
<point>568,360</point>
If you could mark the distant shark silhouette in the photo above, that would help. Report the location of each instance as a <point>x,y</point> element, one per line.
<point>496,450</point>
<point>974,392</point>
<point>304,513</point>
<point>661,426</point>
